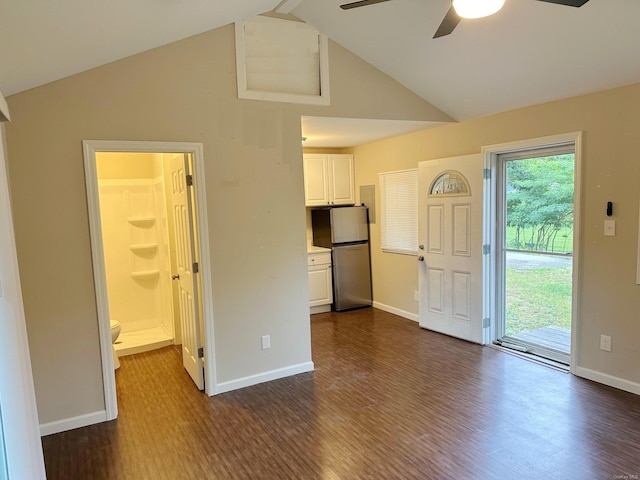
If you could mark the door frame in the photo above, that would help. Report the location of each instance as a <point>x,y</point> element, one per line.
<point>492,281</point>
<point>90,148</point>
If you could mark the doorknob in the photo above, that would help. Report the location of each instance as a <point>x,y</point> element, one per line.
<point>175,277</point>
<point>420,258</point>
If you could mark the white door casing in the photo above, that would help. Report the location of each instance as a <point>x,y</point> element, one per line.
<point>90,148</point>
<point>492,277</point>
<point>185,257</point>
<point>450,237</point>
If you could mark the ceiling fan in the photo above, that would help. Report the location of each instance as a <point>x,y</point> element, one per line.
<point>465,9</point>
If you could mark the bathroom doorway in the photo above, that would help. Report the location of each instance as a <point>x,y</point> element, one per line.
<point>150,253</point>
<point>139,249</point>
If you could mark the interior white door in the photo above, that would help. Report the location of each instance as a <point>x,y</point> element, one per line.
<point>450,204</point>
<point>185,254</point>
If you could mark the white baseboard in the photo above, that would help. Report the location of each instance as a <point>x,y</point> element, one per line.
<point>319,309</point>
<point>264,377</point>
<point>74,422</point>
<point>396,311</point>
<point>606,379</point>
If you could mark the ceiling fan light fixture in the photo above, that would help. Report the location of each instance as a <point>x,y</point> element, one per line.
<point>477,8</point>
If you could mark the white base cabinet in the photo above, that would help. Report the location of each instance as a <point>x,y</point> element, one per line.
<point>320,282</point>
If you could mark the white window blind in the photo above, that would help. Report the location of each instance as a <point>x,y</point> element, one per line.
<point>399,212</point>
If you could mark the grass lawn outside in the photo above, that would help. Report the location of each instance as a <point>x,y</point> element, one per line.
<point>537,298</point>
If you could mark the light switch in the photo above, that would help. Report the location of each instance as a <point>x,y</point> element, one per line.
<point>609,228</point>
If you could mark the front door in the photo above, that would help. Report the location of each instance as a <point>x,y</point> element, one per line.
<point>181,203</point>
<point>450,240</point>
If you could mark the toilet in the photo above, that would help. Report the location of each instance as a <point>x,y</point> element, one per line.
<point>115,332</point>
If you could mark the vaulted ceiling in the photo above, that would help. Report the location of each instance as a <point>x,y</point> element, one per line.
<point>530,52</point>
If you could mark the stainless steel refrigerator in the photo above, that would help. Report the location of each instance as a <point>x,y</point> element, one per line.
<point>345,230</point>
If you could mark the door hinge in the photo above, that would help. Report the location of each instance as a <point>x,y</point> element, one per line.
<point>486,173</point>
<point>189,180</point>
<point>486,249</point>
<point>486,322</point>
<point>201,352</point>
<point>196,268</point>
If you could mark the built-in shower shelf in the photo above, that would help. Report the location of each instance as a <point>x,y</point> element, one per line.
<point>143,247</point>
<point>144,274</point>
<point>141,221</point>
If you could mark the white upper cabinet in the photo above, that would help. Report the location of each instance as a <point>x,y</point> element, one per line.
<point>341,182</point>
<point>316,180</point>
<point>328,180</point>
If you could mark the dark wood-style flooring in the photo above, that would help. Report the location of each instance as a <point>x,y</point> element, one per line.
<point>387,401</point>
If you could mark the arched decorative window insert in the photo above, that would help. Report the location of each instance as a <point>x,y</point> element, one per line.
<point>450,183</point>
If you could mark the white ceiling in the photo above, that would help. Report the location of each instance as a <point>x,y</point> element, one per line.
<point>45,40</point>
<point>529,53</point>
<point>351,132</point>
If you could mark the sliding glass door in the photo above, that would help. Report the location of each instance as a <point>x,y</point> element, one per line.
<point>535,261</point>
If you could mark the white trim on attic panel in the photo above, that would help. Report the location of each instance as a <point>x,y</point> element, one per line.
<point>275,64</point>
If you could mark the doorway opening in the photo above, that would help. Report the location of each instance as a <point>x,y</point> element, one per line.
<point>150,253</point>
<point>139,248</point>
<point>535,213</point>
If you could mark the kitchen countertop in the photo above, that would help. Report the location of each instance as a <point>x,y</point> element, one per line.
<point>314,249</point>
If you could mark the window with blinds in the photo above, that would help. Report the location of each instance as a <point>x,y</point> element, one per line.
<point>399,211</point>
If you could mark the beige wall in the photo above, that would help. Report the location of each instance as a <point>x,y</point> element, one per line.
<point>185,91</point>
<point>609,299</point>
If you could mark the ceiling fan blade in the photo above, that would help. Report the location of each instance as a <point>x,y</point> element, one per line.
<point>450,21</point>
<point>361,3</point>
<point>568,3</point>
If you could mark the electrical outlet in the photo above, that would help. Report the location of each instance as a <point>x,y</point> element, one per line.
<point>605,343</point>
<point>266,342</point>
<point>416,295</point>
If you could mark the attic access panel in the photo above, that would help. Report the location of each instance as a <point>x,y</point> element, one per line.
<point>281,61</point>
